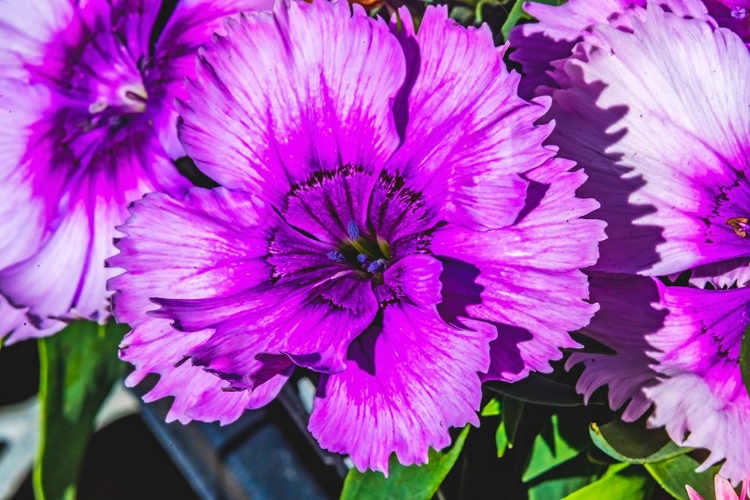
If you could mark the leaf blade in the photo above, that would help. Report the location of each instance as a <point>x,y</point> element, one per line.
<point>412,482</point>
<point>79,367</point>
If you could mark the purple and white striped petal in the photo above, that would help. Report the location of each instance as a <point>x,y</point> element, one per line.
<point>87,127</point>
<point>162,229</point>
<point>658,120</point>
<point>525,279</point>
<point>403,388</point>
<point>276,100</point>
<point>629,311</point>
<point>467,136</point>
<point>543,47</point>
<point>703,402</point>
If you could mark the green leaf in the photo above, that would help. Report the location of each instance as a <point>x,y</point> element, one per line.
<point>620,482</point>
<point>745,358</point>
<point>549,450</point>
<point>413,482</point>
<point>491,409</point>
<point>566,478</point>
<point>512,413</point>
<point>79,367</point>
<point>501,440</point>
<point>557,488</point>
<point>538,389</point>
<point>633,442</point>
<point>674,473</point>
<point>517,13</point>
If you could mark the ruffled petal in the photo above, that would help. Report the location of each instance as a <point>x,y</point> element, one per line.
<point>77,199</point>
<point>406,382</point>
<point>559,28</point>
<point>726,274</point>
<point>174,248</point>
<point>15,322</point>
<point>311,323</point>
<point>276,101</point>
<point>189,27</point>
<point>543,46</point>
<point>658,120</point>
<point>628,311</point>
<point>467,136</point>
<point>525,279</point>
<point>702,400</point>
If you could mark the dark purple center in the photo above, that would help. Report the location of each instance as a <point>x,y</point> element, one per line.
<point>349,223</point>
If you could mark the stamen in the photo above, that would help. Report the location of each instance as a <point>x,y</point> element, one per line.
<point>336,256</point>
<point>740,226</point>
<point>361,258</point>
<point>739,13</point>
<point>352,230</point>
<point>97,107</point>
<point>134,96</point>
<point>375,266</point>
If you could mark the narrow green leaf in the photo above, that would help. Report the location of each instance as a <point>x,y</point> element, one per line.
<point>491,409</point>
<point>538,389</point>
<point>512,413</point>
<point>514,16</point>
<point>620,482</point>
<point>549,450</point>
<point>674,473</point>
<point>745,358</point>
<point>79,367</point>
<point>633,442</point>
<point>414,482</point>
<point>501,440</point>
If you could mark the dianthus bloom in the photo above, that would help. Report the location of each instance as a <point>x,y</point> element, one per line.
<point>388,218</point>
<point>652,104</point>
<point>724,490</point>
<point>87,125</point>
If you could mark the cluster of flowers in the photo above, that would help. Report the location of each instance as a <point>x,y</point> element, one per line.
<point>396,210</point>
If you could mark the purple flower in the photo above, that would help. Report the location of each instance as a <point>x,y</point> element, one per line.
<point>655,112</point>
<point>389,219</point>
<point>88,126</point>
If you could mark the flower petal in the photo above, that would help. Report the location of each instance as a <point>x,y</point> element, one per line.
<point>189,248</point>
<point>189,27</point>
<point>723,489</point>
<point>313,324</point>
<point>276,102</point>
<point>703,401</point>
<point>525,279</point>
<point>467,136</point>
<point>25,28</point>
<point>541,47</point>
<point>404,386</point>
<point>628,311</point>
<point>666,161</point>
<point>723,274</point>
<point>559,28</point>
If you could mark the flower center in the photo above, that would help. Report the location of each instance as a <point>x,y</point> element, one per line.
<point>365,254</point>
